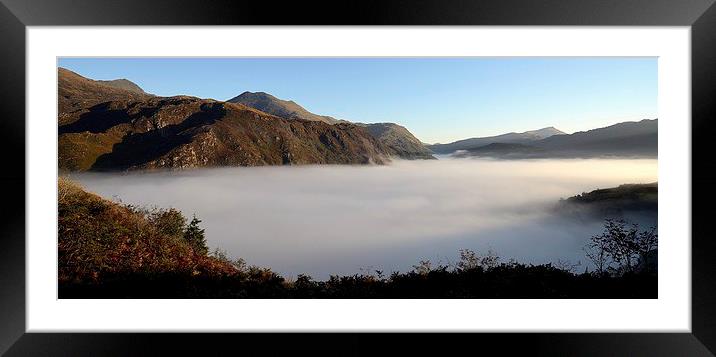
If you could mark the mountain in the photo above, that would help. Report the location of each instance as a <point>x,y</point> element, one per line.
<point>123,84</point>
<point>286,109</point>
<point>116,129</point>
<point>627,139</point>
<point>79,93</point>
<point>509,138</point>
<point>398,139</point>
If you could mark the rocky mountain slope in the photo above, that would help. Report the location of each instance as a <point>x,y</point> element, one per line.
<point>107,128</point>
<point>401,142</point>
<point>509,138</point>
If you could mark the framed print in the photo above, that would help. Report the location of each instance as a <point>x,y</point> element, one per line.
<point>536,172</point>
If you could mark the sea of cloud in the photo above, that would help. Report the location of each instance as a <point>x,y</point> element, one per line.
<point>323,220</point>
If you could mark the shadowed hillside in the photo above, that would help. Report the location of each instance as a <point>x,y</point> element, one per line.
<point>615,201</point>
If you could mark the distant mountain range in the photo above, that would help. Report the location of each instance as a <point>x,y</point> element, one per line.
<point>628,139</point>
<point>115,125</point>
<point>509,138</point>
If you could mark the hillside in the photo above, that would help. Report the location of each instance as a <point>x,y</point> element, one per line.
<point>99,240</point>
<point>614,201</point>
<point>116,129</point>
<point>398,139</point>
<point>509,138</point>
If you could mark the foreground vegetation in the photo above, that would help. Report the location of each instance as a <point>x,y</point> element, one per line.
<point>109,250</point>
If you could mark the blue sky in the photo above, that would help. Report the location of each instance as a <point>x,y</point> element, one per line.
<point>438,99</point>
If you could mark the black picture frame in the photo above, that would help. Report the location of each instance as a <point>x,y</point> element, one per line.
<point>16,15</point>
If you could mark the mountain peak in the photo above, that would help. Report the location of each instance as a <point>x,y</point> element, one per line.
<point>545,132</point>
<point>249,94</point>
<point>80,92</point>
<point>123,83</point>
<point>286,109</point>
<point>508,138</point>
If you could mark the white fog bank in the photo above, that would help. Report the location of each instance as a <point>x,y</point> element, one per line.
<point>325,220</point>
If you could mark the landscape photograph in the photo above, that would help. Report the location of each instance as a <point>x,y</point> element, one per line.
<point>357,177</point>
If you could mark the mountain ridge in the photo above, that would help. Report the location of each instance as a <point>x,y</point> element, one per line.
<point>106,128</point>
<point>625,139</point>
<point>401,142</point>
<point>507,138</point>
<point>79,92</point>
<point>286,109</point>
<point>123,83</point>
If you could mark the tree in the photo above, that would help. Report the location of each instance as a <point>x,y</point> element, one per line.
<point>468,260</point>
<point>471,260</point>
<point>596,251</point>
<point>646,242</point>
<point>423,268</point>
<point>489,260</point>
<point>195,236</point>
<point>620,244</point>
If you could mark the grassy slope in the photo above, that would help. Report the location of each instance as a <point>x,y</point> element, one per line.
<point>99,238</point>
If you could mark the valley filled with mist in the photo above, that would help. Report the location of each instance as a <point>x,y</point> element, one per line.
<point>341,219</point>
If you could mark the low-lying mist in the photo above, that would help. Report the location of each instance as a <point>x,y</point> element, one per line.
<point>323,220</point>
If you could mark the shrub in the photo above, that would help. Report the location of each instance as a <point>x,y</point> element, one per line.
<point>170,222</point>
